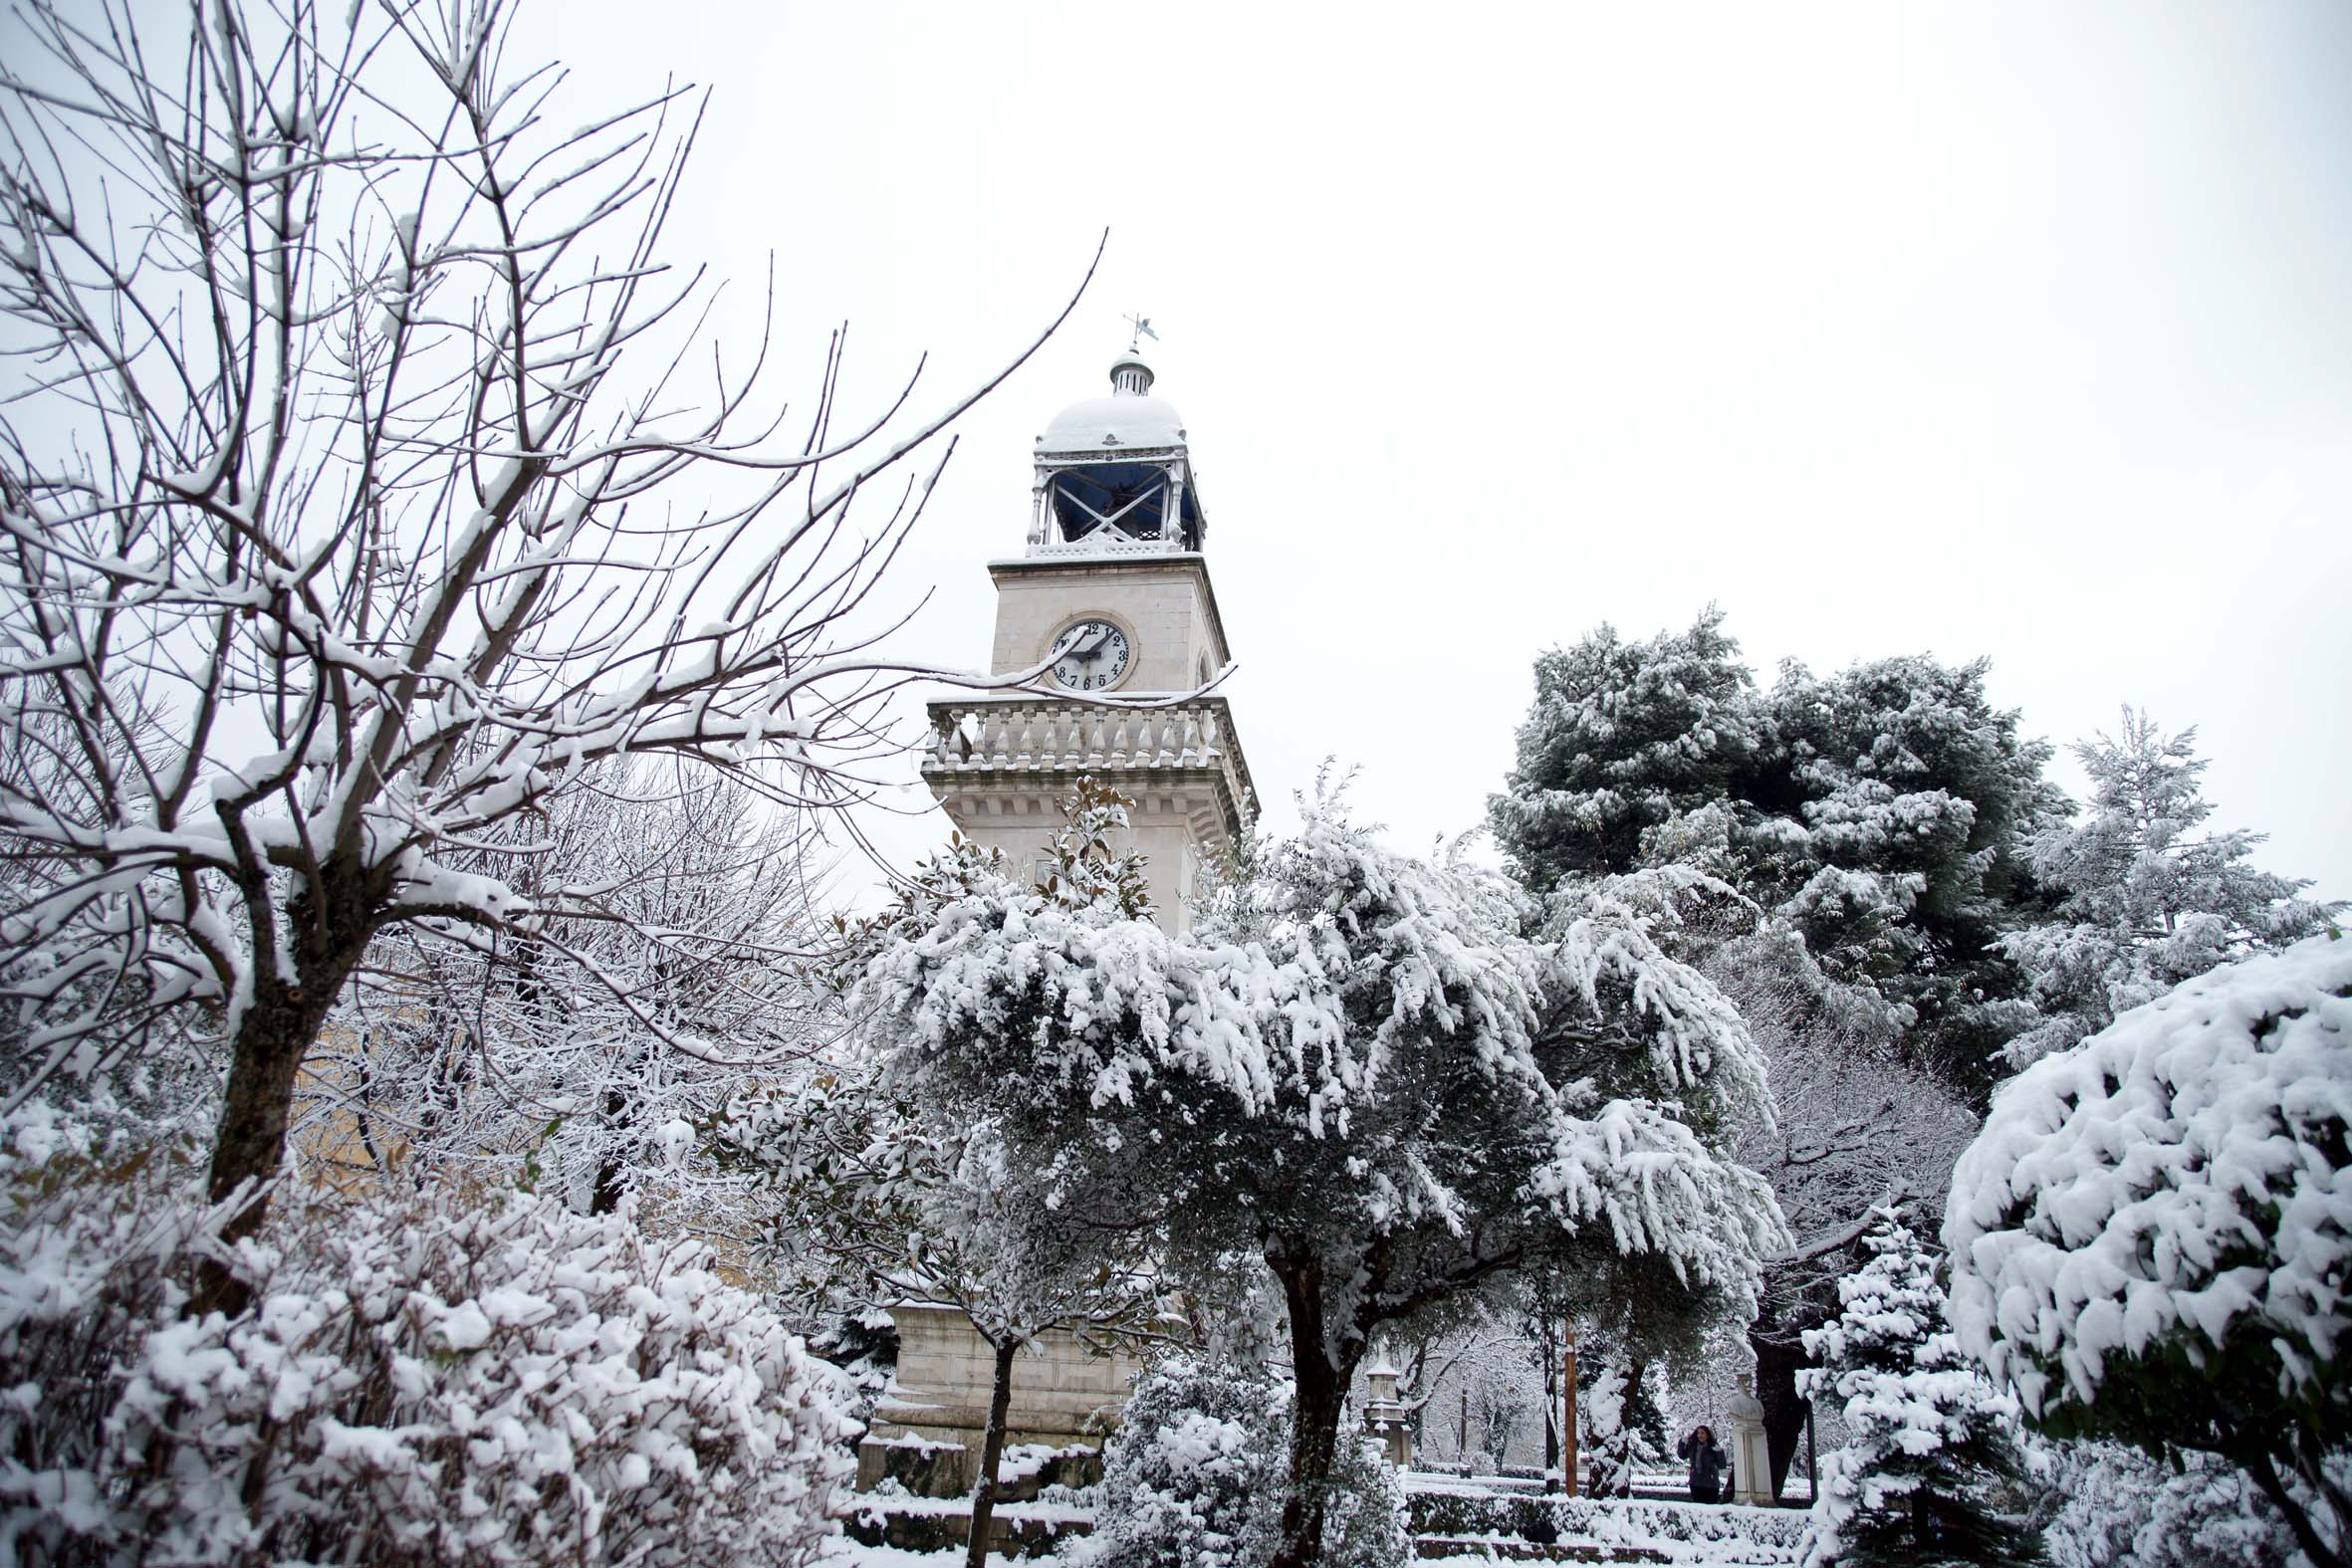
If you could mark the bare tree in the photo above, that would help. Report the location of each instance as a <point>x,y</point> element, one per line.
<point>1858,1130</point>
<point>333,535</point>
<point>443,1059</point>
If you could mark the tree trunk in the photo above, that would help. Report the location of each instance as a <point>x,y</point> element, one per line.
<point>248,1144</point>
<point>1635,1371</point>
<point>1777,1364</point>
<point>1322,1381</point>
<point>992,1454</point>
<point>279,1029</point>
<point>611,1174</point>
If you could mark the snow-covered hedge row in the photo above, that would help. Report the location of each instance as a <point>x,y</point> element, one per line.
<point>1472,1513</point>
<point>462,1380</point>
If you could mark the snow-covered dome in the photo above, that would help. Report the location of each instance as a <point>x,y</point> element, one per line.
<point>1100,424</point>
<point>1114,474</point>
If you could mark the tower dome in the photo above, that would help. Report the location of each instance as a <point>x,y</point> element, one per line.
<point>1114,474</point>
<point>1130,420</point>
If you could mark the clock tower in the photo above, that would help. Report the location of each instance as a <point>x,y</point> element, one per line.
<point>1112,601</point>
<point>1112,598</point>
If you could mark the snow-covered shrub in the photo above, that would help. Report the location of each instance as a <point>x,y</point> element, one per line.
<point>1192,1480</point>
<point>457,1379</point>
<point>1932,1459</point>
<point>2149,1237</point>
<point>2119,1508</point>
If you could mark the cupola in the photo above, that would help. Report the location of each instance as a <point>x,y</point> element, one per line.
<point>1114,474</point>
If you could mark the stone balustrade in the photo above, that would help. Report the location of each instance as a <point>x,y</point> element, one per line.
<point>1102,542</point>
<point>1040,735</point>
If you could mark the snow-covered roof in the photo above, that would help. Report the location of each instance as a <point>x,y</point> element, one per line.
<point>1113,424</point>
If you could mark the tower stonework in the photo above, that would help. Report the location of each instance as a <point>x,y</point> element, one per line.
<point>1111,602</point>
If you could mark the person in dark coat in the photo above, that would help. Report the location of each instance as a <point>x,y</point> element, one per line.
<point>1706,1464</point>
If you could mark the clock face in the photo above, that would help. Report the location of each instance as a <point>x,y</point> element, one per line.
<point>1091,656</point>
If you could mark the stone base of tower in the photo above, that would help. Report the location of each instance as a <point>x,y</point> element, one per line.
<point>929,1427</point>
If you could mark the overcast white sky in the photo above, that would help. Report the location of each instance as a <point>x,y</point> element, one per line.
<point>2021,331</point>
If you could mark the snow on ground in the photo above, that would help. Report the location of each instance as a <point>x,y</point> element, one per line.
<point>847,1553</point>
<point>1689,1554</point>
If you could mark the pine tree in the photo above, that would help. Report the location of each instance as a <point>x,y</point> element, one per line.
<point>1929,1441</point>
<point>1623,736</point>
<point>1878,814</point>
<point>2148,900</point>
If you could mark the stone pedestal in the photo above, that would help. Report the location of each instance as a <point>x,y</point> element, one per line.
<point>928,1428</point>
<point>1752,1463</point>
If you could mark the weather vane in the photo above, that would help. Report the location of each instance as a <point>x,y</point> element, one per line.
<point>1142,326</point>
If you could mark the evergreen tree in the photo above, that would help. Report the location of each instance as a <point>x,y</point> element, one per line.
<point>918,1194</point>
<point>1895,845</point>
<point>1877,816</point>
<point>1838,855</point>
<point>2147,900</point>
<point>1357,1070</point>
<point>1929,1441</point>
<point>1624,1424</point>
<point>1623,735</point>
<point>2149,1237</point>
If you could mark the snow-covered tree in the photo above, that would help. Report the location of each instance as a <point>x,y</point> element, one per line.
<point>2149,1237</point>
<point>1624,1427</point>
<point>1932,1456</point>
<point>1913,793</point>
<point>1623,736</point>
<point>341,526</point>
<point>1500,1397</point>
<point>1832,855</point>
<point>879,1201</point>
<point>2146,898</point>
<point>1357,1069</point>
<point>2111,1505</point>
<point>459,1060</point>
<point>913,1193</point>
<point>1876,814</point>
<point>1857,1128</point>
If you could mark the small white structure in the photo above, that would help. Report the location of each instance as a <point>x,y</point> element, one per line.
<point>1385,1413</point>
<point>1751,1461</point>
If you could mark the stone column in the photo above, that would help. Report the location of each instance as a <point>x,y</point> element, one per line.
<point>1752,1465</point>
